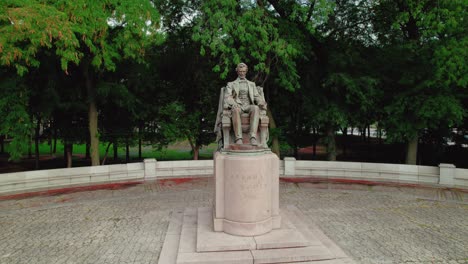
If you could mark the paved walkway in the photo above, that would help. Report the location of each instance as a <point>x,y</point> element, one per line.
<point>371,224</point>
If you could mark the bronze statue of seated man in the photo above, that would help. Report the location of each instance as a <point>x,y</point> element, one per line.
<point>241,96</point>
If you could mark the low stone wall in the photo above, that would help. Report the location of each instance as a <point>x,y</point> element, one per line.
<point>179,169</point>
<point>461,178</point>
<point>61,178</point>
<point>150,169</point>
<point>446,175</point>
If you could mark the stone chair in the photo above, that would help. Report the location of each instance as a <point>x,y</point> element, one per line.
<point>223,125</point>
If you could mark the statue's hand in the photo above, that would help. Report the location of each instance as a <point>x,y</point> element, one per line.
<point>235,105</point>
<point>262,105</point>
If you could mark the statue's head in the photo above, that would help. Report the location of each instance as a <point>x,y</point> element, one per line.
<point>241,70</point>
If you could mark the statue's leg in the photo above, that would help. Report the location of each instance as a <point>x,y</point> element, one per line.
<point>264,121</point>
<point>237,123</point>
<point>254,120</point>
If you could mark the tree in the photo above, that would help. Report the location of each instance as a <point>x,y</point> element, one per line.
<point>44,99</point>
<point>234,31</point>
<point>334,38</point>
<point>119,111</point>
<point>15,122</point>
<point>91,34</point>
<point>192,88</point>
<point>421,66</point>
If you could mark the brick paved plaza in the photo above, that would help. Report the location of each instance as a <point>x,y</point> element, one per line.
<point>372,224</point>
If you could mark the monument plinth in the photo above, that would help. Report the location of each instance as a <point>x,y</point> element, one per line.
<point>246,192</point>
<point>245,225</point>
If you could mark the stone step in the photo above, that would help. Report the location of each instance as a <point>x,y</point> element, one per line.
<point>190,231</point>
<point>288,255</point>
<point>209,241</point>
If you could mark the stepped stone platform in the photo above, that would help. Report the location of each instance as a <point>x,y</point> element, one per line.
<point>190,239</point>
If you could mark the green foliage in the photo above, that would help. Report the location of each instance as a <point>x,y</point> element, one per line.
<point>106,31</point>
<point>450,61</point>
<point>177,123</point>
<point>421,112</point>
<point>15,122</point>
<point>324,65</point>
<point>27,26</point>
<point>247,32</point>
<point>76,33</point>
<point>173,122</point>
<point>427,58</point>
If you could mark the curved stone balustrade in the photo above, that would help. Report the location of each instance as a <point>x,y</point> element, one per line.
<point>445,175</point>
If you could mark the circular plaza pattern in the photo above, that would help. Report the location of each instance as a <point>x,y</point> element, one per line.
<point>372,224</point>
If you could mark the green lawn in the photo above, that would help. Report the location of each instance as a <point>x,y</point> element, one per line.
<point>177,151</point>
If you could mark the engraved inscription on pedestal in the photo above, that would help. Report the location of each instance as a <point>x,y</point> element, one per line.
<point>248,198</point>
<point>250,187</point>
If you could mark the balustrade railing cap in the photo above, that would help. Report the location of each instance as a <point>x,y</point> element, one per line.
<point>446,165</point>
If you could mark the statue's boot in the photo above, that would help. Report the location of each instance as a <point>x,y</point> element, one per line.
<point>253,141</point>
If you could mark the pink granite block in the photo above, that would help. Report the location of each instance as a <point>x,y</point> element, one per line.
<point>188,240</point>
<point>220,241</point>
<point>175,223</point>
<point>190,217</point>
<point>233,257</point>
<point>208,240</point>
<point>291,255</point>
<point>330,261</point>
<point>282,238</point>
<point>169,249</point>
<point>246,194</point>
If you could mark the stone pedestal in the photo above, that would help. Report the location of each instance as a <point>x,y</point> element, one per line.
<point>190,239</point>
<point>246,194</point>
<point>244,226</point>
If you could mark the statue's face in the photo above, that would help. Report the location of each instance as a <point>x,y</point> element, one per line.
<point>241,72</point>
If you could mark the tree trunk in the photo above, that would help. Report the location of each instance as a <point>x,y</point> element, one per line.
<point>105,155</point>
<point>49,139</point>
<point>368,134</point>
<point>368,145</point>
<point>315,139</point>
<point>68,154</point>
<point>331,143</point>
<point>140,129</point>
<point>2,144</point>
<point>93,133</point>
<point>65,152</point>
<point>55,141</point>
<point>51,145</point>
<point>92,115</point>
<point>127,149</point>
<point>88,149</point>
<point>116,149</point>
<point>275,148</point>
<point>363,133</point>
<point>195,148</point>
<point>36,141</point>
<point>30,147</point>
<point>196,152</point>
<point>345,138</point>
<point>139,149</point>
<point>379,135</point>
<point>412,151</point>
